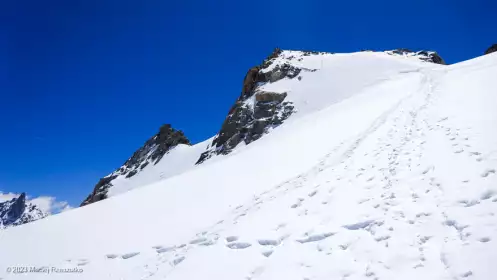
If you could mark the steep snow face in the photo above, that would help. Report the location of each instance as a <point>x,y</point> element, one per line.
<point>17,211</point>
<point>327,78</point>
<point>292,84</point>
<point>395,180</point>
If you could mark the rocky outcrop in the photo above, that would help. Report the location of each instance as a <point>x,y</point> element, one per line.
<point>279,72</point>
<point>428,56</point>
<point>18,211</point>
<point>100,190</point>
<point>255,111</point>
<point>431,57</point>
<point>492,49</point>
<point>150,153</point>
<point>250,80</point>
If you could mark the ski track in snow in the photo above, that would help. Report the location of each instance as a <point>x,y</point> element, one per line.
<point>400,196</point>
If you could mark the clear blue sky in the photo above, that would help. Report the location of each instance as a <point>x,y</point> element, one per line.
<point>84,82</point>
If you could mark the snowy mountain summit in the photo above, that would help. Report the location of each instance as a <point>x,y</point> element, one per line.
<point>356,166</point>
<point>18,211</point>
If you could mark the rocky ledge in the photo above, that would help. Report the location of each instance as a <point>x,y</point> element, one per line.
<point>150,153</point>
<point>255,111</point>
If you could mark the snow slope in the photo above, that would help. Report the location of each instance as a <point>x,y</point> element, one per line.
<point>386,172</point>
<point>337,76</point>
<point>176,161</point>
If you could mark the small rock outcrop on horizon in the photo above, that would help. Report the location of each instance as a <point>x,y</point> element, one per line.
<point>18,211</point>
<point>492,49</point>
<point>428,56</point>
<point>150,153</point>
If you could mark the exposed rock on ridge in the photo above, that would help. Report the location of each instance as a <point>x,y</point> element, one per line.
<point>18,211</point>
<point>492,49</point>
<point>150,153</point>
<point>255,111</point>
<point>428,56</point>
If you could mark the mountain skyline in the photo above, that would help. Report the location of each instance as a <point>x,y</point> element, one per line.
<point>87,85</point>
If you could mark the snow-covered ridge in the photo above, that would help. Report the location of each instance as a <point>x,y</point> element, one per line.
<point>272,92</point>
<point>151,153</point>
<point>278,88</point>
<point>428,56</point>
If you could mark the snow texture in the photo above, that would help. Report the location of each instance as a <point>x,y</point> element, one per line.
<point>387,171</point>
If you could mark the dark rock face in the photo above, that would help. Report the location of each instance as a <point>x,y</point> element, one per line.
<point>432,57</point>
<point>250,80</point>
<point>14,210</point>
<point>402,51</point>
<point>100,190</point>
<point>492,49</point>
<point>428,56</point>
<point>255,111</point>
<point>154,149</point>
<point>151,152</point>
<point>279,72</point>
<point>18,211</point>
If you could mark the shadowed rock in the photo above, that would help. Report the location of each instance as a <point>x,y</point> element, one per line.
<point>492,49</point>
<point>18,211</point>
<point>247,123</point>
<point>151,152</point>
<point>428,56</point>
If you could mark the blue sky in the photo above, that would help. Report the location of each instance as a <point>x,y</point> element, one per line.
<point>85,83</point>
